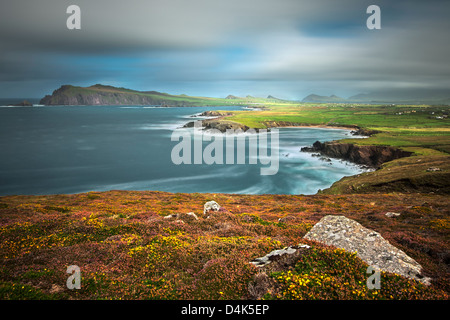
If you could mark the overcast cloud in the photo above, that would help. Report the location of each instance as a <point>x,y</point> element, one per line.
<point>286,48</point>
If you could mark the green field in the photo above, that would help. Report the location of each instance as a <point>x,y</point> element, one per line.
<point>422,129</point>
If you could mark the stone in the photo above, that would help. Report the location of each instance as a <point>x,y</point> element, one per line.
<point>170,216</point>
<point>275,255</point>
<point>370,246</point>
<point>192,215</point>
<point>210,205</point>
<point>392,214</point>
<point>179,216</point>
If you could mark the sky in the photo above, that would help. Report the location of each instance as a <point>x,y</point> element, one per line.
<point>284,48</point>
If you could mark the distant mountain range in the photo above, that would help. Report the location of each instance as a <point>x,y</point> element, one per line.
<point>393,96</point>
<point>323,99</point>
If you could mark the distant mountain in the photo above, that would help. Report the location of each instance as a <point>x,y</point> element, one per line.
<point>323,99</point>
<point>403,96</point>
<point>108,95</point>
<point>272,97</point>
<point>230,96</point>
<point>388,96</point>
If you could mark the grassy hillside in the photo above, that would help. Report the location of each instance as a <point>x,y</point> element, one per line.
<point>126,249</point>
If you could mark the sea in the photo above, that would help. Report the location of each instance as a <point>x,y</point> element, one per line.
<point>74,149</point>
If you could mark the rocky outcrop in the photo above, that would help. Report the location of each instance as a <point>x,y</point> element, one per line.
<point>221,125</point>
<point>24,103</point>
<point>275,261</point>
<point>369,246</point>
<point>182,216</point>
<point>214,114</point>
<point>210,206</point>
<point>372,156</point>
<point>364,132</point>
<point>280,257</point>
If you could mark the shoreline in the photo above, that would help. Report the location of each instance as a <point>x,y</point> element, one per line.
<point>307,126</point>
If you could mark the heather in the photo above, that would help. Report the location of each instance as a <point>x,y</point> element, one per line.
<point>126,249</point>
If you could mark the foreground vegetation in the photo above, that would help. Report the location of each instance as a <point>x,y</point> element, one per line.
<point>126,249</point>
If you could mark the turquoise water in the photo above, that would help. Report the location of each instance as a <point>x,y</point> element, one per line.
<point>72,149</point>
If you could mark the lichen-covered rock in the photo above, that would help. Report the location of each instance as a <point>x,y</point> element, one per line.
<point>182,216</point>
<point>210,205</point>
<point>278,254</point>
<point>392,214</point>
<point>369,246</point>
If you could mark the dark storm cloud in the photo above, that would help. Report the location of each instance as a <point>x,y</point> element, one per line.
<point>210,47</point>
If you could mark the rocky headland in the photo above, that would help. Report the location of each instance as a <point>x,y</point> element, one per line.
<point>372,156</point>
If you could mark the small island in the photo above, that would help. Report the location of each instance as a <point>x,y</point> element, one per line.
<point>24,103</point>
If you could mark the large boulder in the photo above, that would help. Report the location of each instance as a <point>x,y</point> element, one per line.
<point>210,205</point>
<point>369,246</point>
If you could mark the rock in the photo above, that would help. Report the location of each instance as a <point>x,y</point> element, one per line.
<point>224,125</point>
<point>364,132</point>
<point>180,216</point>
<point>276,255</point>
<point>215,114</point>
<point>190,124</point>
<point>24,103</point>
<point>433,169</point>
<point>210,205</point>
<point>369,246</point>
<point>191,214</point>
<point>392,214</point>
<point>373,156</point>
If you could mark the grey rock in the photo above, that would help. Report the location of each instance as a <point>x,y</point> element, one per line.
<point>392,214</point>
<point>275,255</point>
<point>369,246</point>
<point>210,205</point>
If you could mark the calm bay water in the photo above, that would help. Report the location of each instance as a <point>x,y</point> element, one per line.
<point>72,149</point>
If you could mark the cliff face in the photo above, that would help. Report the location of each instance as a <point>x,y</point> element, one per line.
<point>219,124</point>
<point>372,156</point>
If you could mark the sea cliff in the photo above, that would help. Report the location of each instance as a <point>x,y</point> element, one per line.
<point>372,156</point>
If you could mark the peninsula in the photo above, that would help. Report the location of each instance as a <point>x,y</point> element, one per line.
<point>100,94</point>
